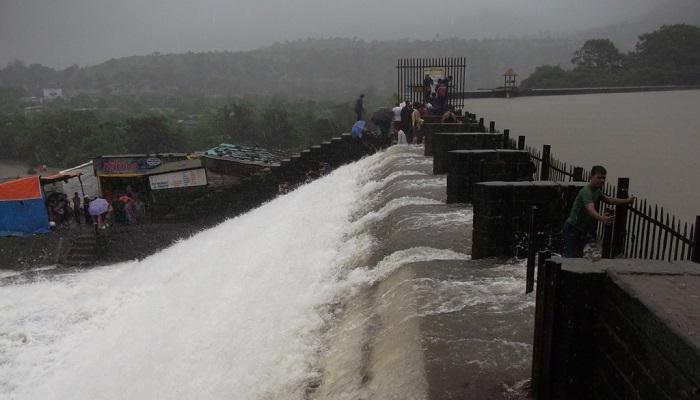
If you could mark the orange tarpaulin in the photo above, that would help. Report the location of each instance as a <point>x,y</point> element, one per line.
<point>21,189</point>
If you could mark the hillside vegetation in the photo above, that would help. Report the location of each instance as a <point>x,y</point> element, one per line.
<point>335,69</point>
<point>669,55</point>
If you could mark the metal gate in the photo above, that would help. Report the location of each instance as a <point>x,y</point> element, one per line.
<point>412,71</point>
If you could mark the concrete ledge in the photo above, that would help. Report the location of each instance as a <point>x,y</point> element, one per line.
<point>626,329</point>
<point>444,142</point>
<point>501,214</point>
<point>465,168</point>
<point>429,129</point>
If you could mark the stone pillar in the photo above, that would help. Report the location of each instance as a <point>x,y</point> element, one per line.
<point>430,129</point>
<point>465,168</point>
<point>501,215</point>
<point>445,142</point>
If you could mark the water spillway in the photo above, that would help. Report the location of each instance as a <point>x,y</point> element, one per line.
<point>358,285</point>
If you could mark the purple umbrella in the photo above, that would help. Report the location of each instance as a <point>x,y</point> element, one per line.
<point>98,206</point>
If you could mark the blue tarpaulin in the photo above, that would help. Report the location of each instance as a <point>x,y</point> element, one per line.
<point>22,209</point>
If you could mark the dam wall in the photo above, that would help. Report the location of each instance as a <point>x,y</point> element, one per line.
<point>195,204</point>
<point>499,93</point>
<point>616,329</point>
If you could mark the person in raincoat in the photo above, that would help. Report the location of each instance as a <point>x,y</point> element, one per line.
<point>382,118</point>
<point>361,134</point>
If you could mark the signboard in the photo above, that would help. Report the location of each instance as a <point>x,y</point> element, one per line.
<point>116,165</point>
<point>435,72</point>
<point>52,94</point>
<point>171,180</point>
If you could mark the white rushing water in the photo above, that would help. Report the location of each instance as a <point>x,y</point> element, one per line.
<point>257,307</point>
<point>233,312</point>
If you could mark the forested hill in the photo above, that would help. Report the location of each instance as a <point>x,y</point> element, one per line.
<point>626,34</point>
<point>320,69</point>
<point>332,68</point>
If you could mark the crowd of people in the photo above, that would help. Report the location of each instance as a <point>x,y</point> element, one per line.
<point>404,122</point>
<point>101,213</point>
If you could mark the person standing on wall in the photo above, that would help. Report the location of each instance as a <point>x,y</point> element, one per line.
<point>407,121</point>
<point>77,208</point>
<point>397,117</point>
<point>581,224</point>
<point>359,107</point>
<point>416,124</point>
<point>427,87</point>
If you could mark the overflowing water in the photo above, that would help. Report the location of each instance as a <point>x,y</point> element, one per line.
<point>327,292</point>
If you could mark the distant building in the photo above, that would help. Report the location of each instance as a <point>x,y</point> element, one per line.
<point>51,94</point>
<point>33,109</point>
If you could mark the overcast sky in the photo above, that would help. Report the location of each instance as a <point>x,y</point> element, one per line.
<point>59,33</point>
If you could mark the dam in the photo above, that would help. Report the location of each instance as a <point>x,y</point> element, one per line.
<point>358,285</point>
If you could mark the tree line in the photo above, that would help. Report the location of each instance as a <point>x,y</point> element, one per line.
<point>336,69</point>
<point>669,55</point>
<point>65,137</point>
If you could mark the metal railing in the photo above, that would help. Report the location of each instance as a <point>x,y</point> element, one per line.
<point>412,71</point>
<point>641,230</point>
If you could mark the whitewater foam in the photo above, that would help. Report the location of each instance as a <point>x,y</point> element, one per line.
<point>232,311</point>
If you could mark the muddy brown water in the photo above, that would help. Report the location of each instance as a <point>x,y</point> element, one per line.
<point>652,138</point>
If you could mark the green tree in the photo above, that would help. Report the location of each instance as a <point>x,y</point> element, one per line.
<point>598,54</point>
<point>149,134</point>
<point>669,55</point>
<point>10,98</point>
<point>276,130</point>
<point>546,77</point>
<point>237,121</point>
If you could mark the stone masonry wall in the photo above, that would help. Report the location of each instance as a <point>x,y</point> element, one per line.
<point>465,168</point>
<point>501,215</point>
<point>445,142</point>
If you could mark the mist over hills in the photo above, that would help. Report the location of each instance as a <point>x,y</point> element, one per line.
<point>334,68</point>
<point>326,68</point>
<point>624,34</point>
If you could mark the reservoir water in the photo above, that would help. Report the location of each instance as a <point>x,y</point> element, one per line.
<point>652,138</point>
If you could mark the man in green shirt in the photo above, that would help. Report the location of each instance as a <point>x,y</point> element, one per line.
<point>583,216</point>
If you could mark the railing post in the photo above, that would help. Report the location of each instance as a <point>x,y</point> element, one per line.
<point>696,238</point>
<point>531,249</point>
<point>506,139</point>
<point>578,174</point>
<point>492,126</point>
<point>544,173</point>
<point>521,142</point>
<point>542,377</point>
<point>607,240</point>
<point>620,222</point>
<point>542,257</point>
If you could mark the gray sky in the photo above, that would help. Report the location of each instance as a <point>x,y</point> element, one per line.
<point>59,33</point>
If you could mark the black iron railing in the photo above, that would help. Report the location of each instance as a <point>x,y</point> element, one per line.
<point>412,71</point>
<point>641,230</point>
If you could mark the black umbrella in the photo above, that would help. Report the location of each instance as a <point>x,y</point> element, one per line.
<point>383,115</point>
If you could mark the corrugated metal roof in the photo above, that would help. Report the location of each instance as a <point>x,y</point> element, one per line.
<point>246,154</point>
<point>89,163</point>
<point>163,154</point>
